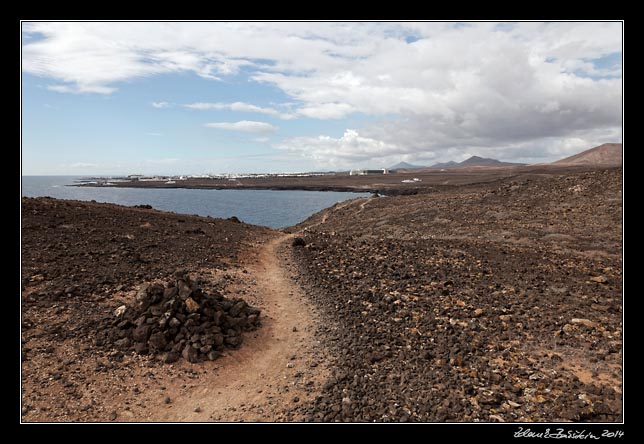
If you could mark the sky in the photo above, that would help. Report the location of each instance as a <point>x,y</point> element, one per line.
<point>243,97</point>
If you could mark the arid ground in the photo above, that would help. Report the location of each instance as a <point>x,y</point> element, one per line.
<point>493,297</point>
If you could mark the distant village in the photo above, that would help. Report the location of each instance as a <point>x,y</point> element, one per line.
<point>111,180</point>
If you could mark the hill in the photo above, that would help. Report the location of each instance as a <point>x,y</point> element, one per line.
<point>406,166</point>
<point>608,154</point>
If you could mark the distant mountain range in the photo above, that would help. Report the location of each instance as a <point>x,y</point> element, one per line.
<point>608,154</point>
<point>474,161</point>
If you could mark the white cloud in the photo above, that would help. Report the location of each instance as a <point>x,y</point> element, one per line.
<point>83,165</point>
<point>160,105</point>
<point>349,149</point>
<point>326,111</point>
<point>244,125</point>
<point>239,106</point>
<point>260,139</point>
<point>81,88</point>
<point>434,87</point>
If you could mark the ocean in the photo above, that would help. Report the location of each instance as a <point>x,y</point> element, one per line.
<point>275,209</point>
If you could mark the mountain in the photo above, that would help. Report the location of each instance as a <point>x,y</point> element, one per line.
<point>406,166</point>
<point>474,161</point>
<point>445,165</point>
<point>608,154</point>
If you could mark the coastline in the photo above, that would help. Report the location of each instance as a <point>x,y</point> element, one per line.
<point>388,184</point>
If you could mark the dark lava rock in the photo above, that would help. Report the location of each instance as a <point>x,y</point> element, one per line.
<point>182,319</point>
<point>171,357</point>
<point>299,242</point>
<point>190,354</point>
<point>157,341</point>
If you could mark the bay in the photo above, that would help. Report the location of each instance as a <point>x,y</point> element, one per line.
<point>271,208</point>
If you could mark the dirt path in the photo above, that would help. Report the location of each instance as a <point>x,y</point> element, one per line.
<point>331,210</point>
<point>273,370</point>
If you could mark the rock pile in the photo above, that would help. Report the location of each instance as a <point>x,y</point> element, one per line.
<point>180,320</point>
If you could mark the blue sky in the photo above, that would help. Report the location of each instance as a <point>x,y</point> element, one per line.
<point>193,98</point>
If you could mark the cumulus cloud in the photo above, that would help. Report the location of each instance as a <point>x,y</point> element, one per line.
<point>160,105</point>
<point>244,125</point>
<point>326,111</point>
<point>443,88</point>
<point>239,106</point>
<point>349,149</point>
<point>83,165</point>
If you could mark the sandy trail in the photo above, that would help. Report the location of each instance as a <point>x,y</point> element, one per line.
<point>276,367</point>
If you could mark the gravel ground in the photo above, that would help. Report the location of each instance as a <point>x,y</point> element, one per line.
<point>493,302</point>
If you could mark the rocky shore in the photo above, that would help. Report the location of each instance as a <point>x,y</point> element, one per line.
<point>497,300</point>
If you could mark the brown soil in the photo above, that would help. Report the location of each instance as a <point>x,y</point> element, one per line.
<point>65,377</point>
<point>496,300</point>
<point>486,302</point>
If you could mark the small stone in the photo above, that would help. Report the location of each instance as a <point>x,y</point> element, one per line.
<point>213,354</point>
<point>141,348</point>
<point>237,308</point>
<point>586,322</point>
<point>599,279</point>
<point>296,399</point>
<point>170,292</point>
<point>142,294</point>
<point>497,418</point>
<point>191,305</point>
<point>189,354</point>
<point>233,341</point>
<point>113,416</point>
<point>157,341</point>
<point>122,343</point>
<point>181,274</point>
<point>171,357</point>
<point>167,400</point>
<point>568,328</point>
<point>289,365</point>
<point>294,329</point>
<point>298,242</point>
<point>197,409</point>
<point>120,311</point>
<point>141,333</point>
<point>505,318</point>
<point>478,312</point>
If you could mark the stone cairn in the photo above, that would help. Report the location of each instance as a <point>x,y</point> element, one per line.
<point>181,320</point>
